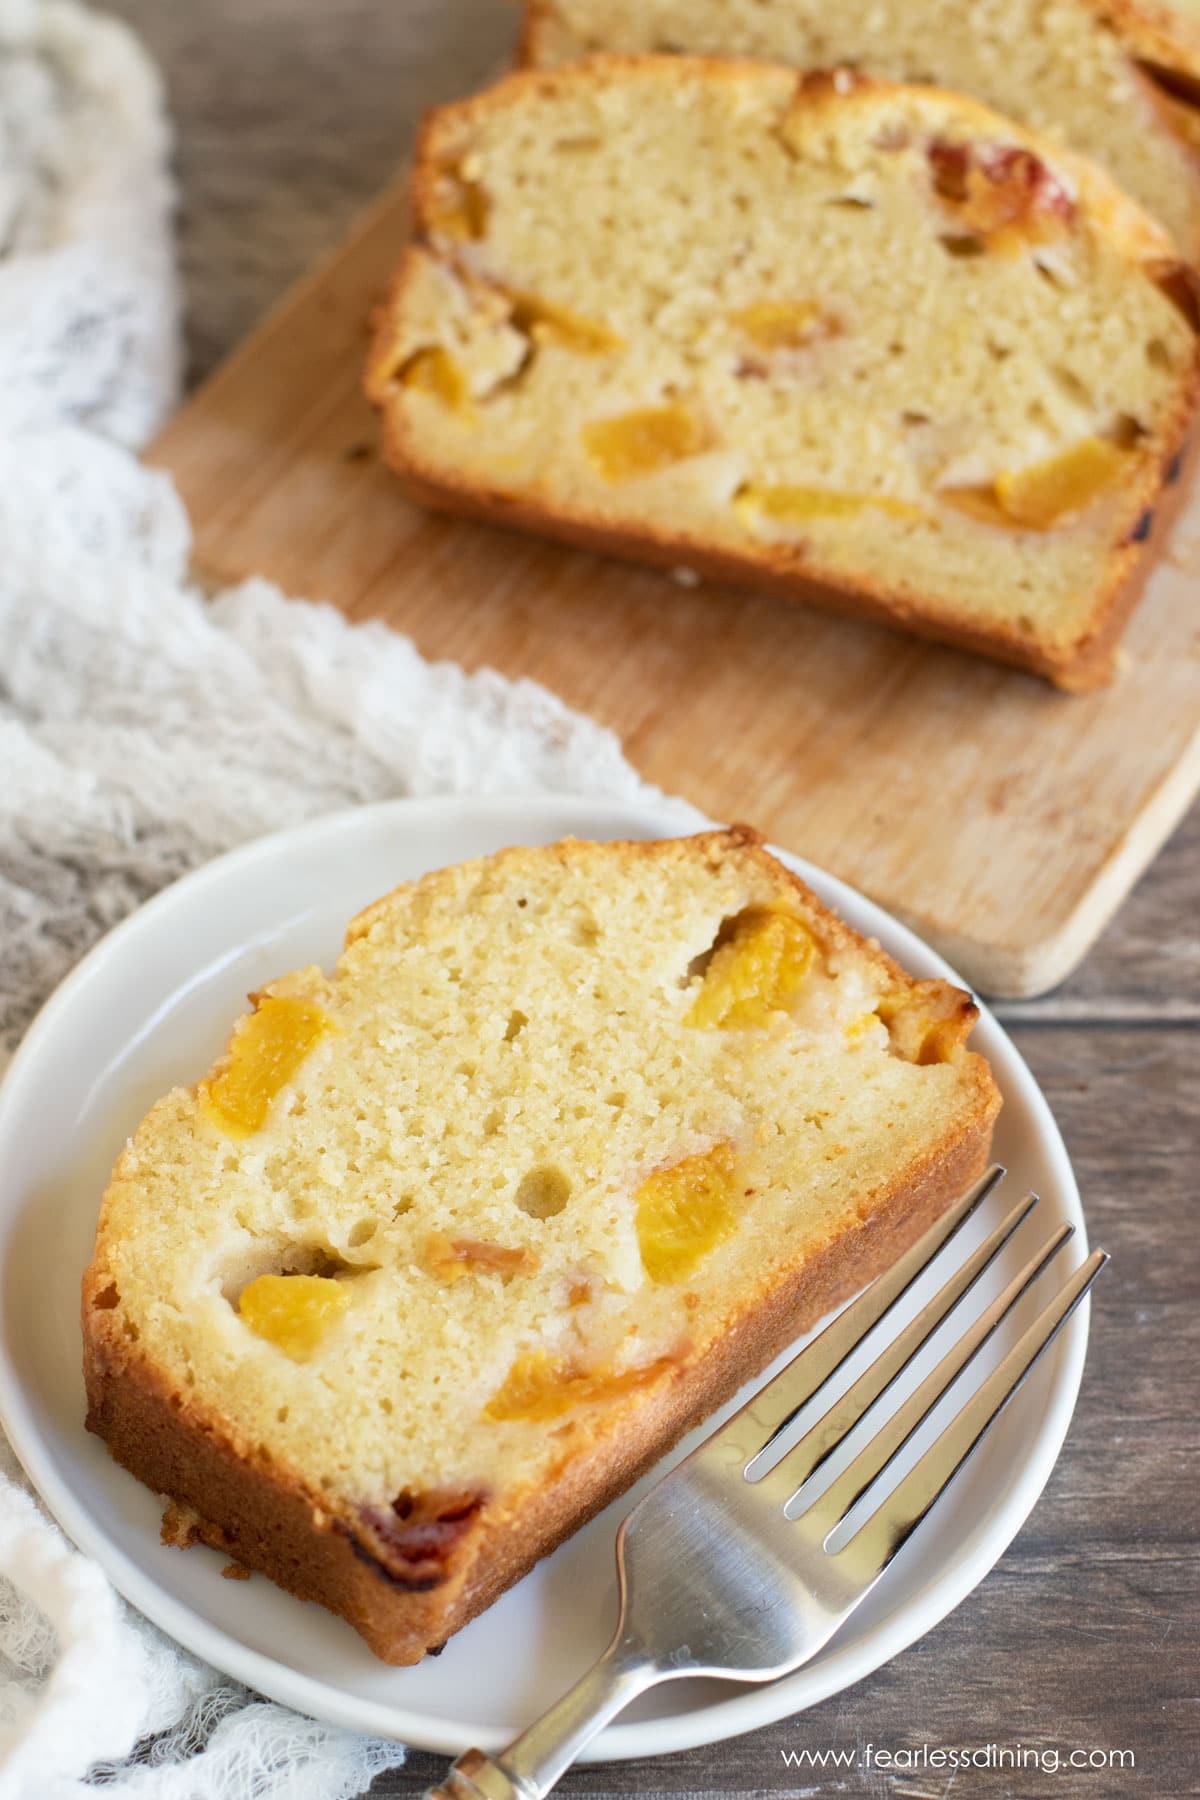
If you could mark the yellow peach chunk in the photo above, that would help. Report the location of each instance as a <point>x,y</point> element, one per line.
<point>463,211</point>
<point>643,441</point>
<point>547,323</point>
<point>293,1312</point>
<point>267,1050</point>
<point>783,324</point>
<point>790,504</point>
<point>435,372</point>
<point>925,1027</point>
<point>757,970</point>
<point>1045,495</point>
<point>685,1211</point>
<point>540,1387</point>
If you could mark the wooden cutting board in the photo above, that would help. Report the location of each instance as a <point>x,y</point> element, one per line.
<point>1003,820</point>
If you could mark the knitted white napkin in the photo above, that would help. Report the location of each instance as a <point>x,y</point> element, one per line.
<point>142,730</point>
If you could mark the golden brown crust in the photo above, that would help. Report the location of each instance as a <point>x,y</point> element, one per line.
<point>1079,663</point>
<point>270,1521</point>
<point>1096,661</point>
<point>531,35</point>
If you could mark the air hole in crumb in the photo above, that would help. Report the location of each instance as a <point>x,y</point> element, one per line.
<point>492,1122</point>
<point>401,1204</point>
<point>131,1331</point>
<point>107,1298</point>
<point>617,1099</point>
<point>543,1192</point>
<point>403,1504</point>
<point>1126,431</point>
<point>285,1259</point>
<point>522,901</point>
<point>1158,356</point>
<point>362,1232</point>
<point>468,1069</point>
<point>1071,385</point>
<point>282,1415</point>
<point>962,245</point>
<point>699,964</point>
<point>385,1406</point>
<point>517,1021</point>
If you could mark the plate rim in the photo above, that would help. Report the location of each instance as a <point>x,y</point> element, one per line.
<point>745,1710</point>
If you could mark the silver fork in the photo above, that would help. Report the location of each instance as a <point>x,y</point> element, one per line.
<point>721,1573</point>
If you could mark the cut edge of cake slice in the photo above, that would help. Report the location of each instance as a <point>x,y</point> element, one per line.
<point>445,295</point>
<point>408,1575</point>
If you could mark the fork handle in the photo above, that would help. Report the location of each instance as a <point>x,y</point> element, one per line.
<point>532,1764</point>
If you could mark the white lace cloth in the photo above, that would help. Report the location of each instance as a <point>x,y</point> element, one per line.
<point>143,729</point>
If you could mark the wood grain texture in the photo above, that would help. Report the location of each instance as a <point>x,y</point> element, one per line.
<point>291,115</point>
<point>1002,819</point>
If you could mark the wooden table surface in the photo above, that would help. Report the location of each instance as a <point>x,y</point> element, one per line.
<point>291,114</point>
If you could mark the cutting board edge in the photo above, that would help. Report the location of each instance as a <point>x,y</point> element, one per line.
<point>1029,971</point>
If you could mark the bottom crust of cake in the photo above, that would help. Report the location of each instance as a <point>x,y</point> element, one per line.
<point>244,1504</point>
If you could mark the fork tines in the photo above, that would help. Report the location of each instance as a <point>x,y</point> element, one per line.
<point>751,1438</point>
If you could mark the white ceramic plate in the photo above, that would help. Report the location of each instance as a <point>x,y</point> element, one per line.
<point>150,1007</point>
